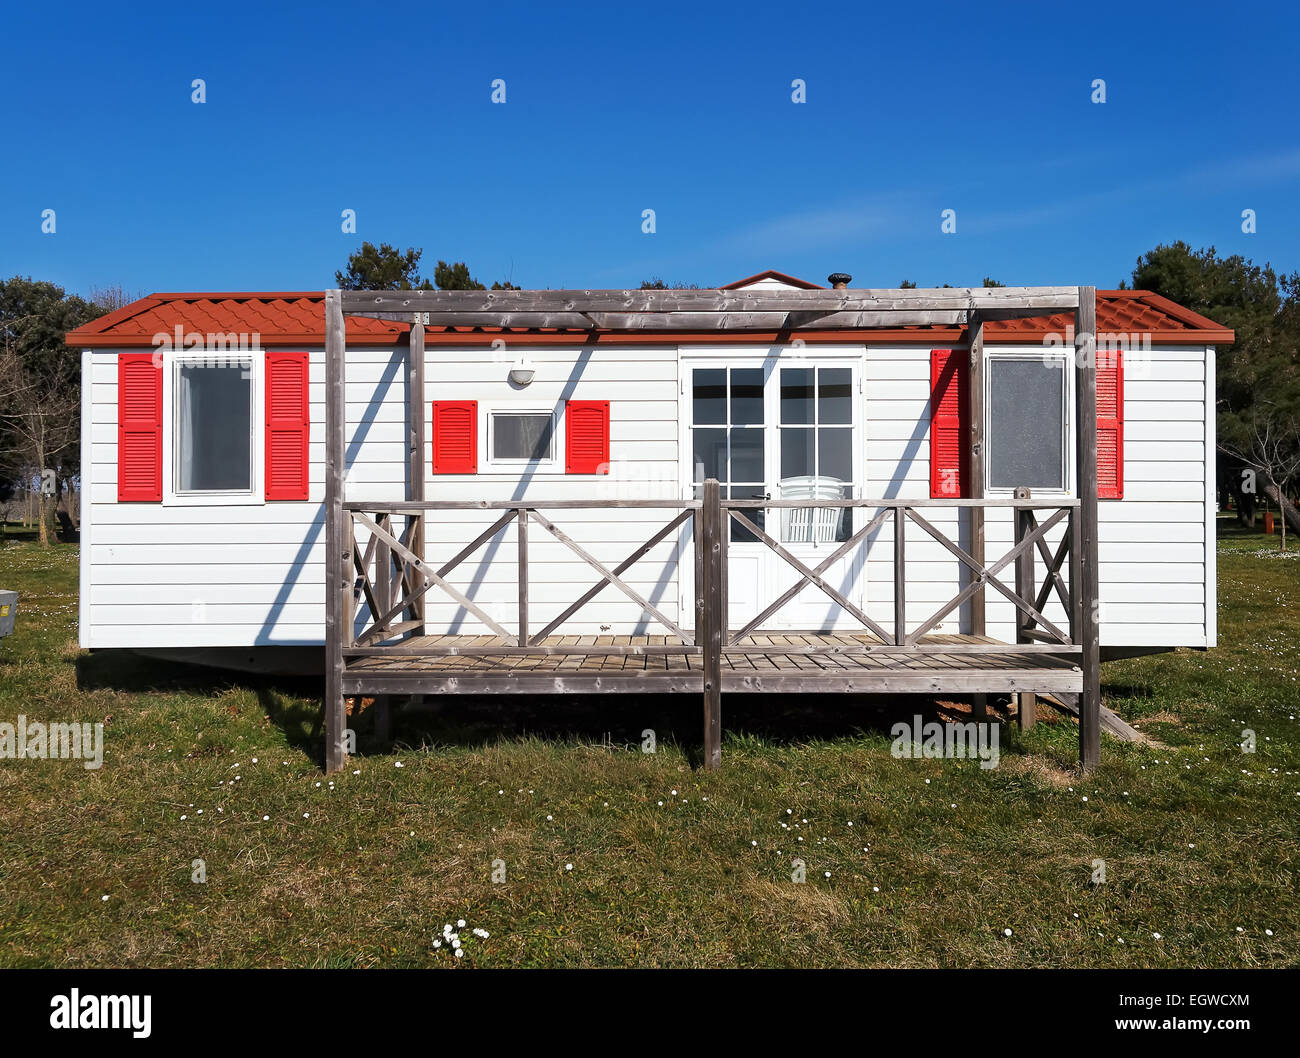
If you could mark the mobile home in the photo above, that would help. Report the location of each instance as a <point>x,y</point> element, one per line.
<point>771,485</point>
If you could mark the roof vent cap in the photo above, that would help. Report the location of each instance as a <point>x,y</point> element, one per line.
<point>839,280</point>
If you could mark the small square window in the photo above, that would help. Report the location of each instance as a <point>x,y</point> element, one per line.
<point>1027,423</point>
<point>213,435</point>
<point>523,437</point>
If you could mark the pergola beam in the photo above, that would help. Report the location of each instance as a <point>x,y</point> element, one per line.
<point>401,303</point>
<point>688,321</point>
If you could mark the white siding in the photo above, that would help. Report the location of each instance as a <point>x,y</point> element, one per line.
<point>1155,563</point>
<point>157,575</point>
<point>897,393</point>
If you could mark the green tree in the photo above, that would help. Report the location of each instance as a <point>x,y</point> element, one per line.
<point>455,277</point>
<point>382,267</point>
<point>385,267</point>
<point>655,283</point>
<point>1258,376</point>
<point>40,388</point>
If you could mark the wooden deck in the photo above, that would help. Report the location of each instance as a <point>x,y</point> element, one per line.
<point>391,578</point>
<point>655,664</point>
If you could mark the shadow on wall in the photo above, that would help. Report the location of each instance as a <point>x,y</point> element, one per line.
<point>316,530</point>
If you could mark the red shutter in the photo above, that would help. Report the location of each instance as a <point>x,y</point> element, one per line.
<point>139,427</point>
<point>586,437</point>
<point>455,437</point>
<point>1110,425</point>
<point>288,426</point>
<point>949,373</point>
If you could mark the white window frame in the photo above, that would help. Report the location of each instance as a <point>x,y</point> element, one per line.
<point>772,358</point>
<point>554,464</point>
<point>171,359</point>
<point>1065,356</point>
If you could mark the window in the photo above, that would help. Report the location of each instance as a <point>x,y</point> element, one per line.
<point>212,436</point>
<point>1026,426</point>
<point>816,436</point>
<point>522,437</point>
<point>727,436</point>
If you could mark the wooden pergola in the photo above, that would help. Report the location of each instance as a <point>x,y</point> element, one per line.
<point>394,656</point>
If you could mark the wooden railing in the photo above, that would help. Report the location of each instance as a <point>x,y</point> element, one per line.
<point>393,578</point>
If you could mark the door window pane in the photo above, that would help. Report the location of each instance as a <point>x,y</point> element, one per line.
<point>797,460</point>
<point>739,534</point>
<point>835,455</point>
<point>747,455</point>
<point>709,396</point>
<point>213,428</point>
<point>746,396</point>
<point>796,395</point>
<point>710,454</point>
<point>1027,423</point>
<point>834,395</point>
<point>522,436</point>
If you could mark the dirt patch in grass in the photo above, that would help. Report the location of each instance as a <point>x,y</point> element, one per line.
<point>1041,769</point>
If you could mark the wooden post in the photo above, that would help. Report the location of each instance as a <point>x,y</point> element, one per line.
<point>416,463</point>
<point>338,554</point>
<point>1026,701</point>
<point>521,527</point>
<point>711,618</point>
<point>975,441</point>
<point>900,577</point>
<point>1085,432</point>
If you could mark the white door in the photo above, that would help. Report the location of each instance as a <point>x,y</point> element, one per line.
<point>780,429</point>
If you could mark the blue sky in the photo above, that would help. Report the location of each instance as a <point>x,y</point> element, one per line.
<point>612,109</point>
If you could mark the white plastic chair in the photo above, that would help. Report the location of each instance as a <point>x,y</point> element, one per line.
<point>811,525</point>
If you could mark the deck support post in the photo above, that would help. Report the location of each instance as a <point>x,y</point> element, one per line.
<point>711,617</point>
<point>1026,701</point>
<point>1087,590</point>
<point>338,552</point>
<point>900,576</point>
<point>975,470</point>
<point>416,463</point>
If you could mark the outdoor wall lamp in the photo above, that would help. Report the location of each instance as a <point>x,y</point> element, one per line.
<point>522,372</point>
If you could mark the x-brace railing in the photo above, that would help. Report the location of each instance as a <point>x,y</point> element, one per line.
<point>987,576</point>
<point>387,551</point>
<point>1030,536</point>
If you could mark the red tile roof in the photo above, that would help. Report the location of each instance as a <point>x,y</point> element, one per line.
<point>279,318</point>
<point>297,318</point>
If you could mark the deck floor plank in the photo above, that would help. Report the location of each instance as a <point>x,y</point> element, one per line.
<point>772,660</point>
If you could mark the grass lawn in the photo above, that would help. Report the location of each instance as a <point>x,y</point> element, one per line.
<point>617,857</point>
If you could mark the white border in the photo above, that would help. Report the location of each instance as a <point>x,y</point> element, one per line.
<point>556,459</point>
<point>1211,517</point>
<point>1067,419</point>
<point>771,358</point>
<point>87,478</point>
<point>254,497</point>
